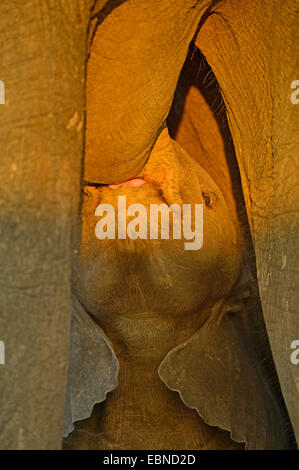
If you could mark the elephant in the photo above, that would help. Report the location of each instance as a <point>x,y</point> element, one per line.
<point>181,343</point>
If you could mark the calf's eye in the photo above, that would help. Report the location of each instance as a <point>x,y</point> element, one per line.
<point>207,199</point>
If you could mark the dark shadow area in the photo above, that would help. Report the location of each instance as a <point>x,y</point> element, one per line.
<point>197,73</point>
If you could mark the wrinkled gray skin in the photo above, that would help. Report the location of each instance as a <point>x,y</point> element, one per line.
<point>252,53</point>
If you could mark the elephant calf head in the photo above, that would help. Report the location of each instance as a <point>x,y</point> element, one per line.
<point>117,276</point>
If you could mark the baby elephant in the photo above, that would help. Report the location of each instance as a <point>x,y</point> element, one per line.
<point>164,340</point>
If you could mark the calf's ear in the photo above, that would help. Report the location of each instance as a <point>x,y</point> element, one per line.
<point>225,372</point>
<point>93,367</point>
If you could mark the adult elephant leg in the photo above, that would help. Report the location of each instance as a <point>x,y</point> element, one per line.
<point>251,49</point>
<point>42,67</point>
<point>136,54</point>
